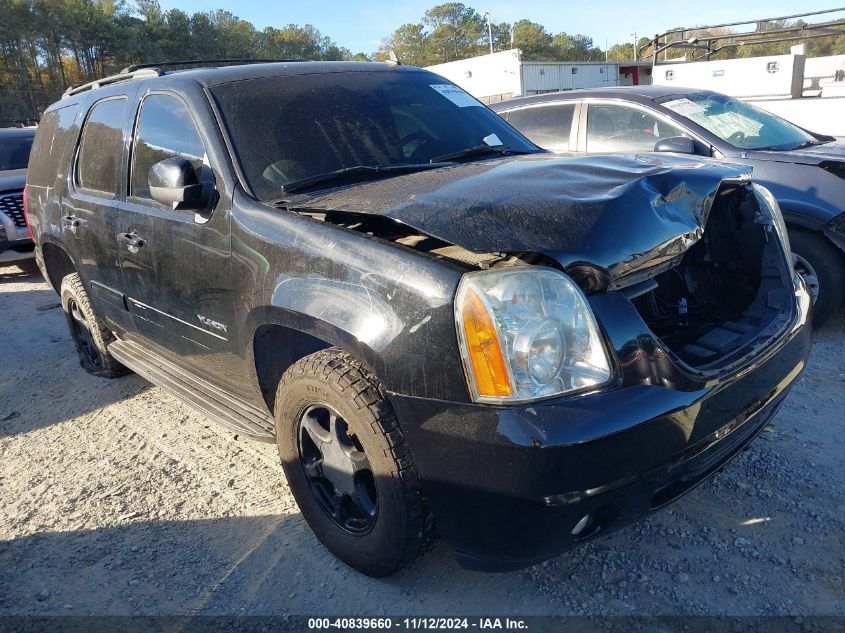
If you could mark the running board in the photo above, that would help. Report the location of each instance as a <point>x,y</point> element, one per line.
<point>225,409</point>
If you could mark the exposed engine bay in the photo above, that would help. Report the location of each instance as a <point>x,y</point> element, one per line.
<point>727,288</point>
<point>698,253</point>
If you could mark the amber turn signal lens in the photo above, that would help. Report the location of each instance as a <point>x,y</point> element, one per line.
<point>485,354</point>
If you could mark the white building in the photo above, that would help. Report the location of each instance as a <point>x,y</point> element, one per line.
<point>504,75</point>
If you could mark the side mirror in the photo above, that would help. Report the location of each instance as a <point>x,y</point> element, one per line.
<point>173,182</point>
<point>676,144</point>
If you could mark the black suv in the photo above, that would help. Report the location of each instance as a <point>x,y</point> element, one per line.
<point>436,322</point>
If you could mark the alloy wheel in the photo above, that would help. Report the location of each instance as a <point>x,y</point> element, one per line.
<point>337,469</point>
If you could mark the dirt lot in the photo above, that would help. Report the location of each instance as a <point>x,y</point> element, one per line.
<point>118,499</point>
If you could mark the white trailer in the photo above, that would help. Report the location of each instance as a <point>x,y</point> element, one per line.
<point>504,75</point>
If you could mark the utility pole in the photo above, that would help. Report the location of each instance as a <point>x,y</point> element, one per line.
<point>634,35</point>
<point>490,30</point>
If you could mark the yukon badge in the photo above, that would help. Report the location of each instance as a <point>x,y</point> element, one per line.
<point>212,324</point>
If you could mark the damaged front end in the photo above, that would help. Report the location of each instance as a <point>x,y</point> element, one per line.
<point>698,250</point>
<point>733,286</point>
<point>625,327</point>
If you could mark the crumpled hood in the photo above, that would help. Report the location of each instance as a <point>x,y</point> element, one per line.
<point>813,155</point>
<point>618,213</point>
<point>12,180</point>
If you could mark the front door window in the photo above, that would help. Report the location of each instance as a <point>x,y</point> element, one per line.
<point>618,128</point>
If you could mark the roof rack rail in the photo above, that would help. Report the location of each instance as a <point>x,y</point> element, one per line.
<point>140,71</point>
<point>105,81</point>
<point>703,45</point>
<point>200,62</point>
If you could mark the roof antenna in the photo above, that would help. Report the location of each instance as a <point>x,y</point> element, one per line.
<point>392,58</point>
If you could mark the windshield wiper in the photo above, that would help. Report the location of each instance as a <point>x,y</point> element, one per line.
<point>470,152</point>
<point>806,144</point>
<point>358,172</point>
<point>787,148</point>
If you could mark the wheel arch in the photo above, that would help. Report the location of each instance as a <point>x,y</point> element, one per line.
<point>803,214</point>
<point>57,264</point>
<point>827,261</point>
<point>279,338</point>
<point>820,232</point>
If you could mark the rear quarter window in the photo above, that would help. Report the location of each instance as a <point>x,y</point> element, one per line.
<point>55,134</point>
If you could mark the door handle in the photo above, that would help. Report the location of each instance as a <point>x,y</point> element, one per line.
<point>71,222</point>
<point>131,241</point>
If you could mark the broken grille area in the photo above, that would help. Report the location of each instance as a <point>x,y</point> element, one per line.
<point>726,290</point>
<point>12,205</point>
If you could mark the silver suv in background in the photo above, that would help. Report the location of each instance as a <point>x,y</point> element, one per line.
<point>15,241</point>
<point>803,170</point>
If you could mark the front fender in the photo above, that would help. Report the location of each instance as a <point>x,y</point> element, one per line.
<point>389,305</point>
<point>808,195</point>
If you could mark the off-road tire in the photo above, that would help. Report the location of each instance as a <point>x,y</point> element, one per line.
<point>94,357</point>
<point>404,527</point>
<point>829,265</point>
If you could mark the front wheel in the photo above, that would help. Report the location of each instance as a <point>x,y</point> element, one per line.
<point>348,465</point>
<point>822,266</point>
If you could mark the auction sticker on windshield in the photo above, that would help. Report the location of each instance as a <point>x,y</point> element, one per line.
<point>684,107</point>
<point>455,95</point>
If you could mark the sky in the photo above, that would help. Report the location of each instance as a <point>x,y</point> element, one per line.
<point>360,25</point>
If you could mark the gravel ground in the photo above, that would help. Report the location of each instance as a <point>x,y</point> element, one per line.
<point>118,499</point>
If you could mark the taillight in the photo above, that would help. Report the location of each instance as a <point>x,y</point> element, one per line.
<point>26,215</point>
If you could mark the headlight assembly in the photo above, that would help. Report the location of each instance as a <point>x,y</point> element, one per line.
<point>527,333</point>
<point>770,207</point>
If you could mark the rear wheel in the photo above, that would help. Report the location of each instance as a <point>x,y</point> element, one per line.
<point>822,266</point>
<point>89,332</point>
<point>348,466</point>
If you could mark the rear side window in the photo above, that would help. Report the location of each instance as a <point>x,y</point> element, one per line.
<point>165,129</point>
<point>55,134</point>
<point>101,148</point>
<point>548,126</point>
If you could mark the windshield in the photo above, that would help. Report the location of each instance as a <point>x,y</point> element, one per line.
<point>287,129</point>
<point>14,152</point>
<point>738,123</point>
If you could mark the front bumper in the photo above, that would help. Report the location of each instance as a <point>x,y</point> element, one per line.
<point>14,251</point>
<point>15,243</point>
<point>512,486</point>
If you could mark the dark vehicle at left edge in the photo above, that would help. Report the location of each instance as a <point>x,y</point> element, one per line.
<point>15,242</point>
